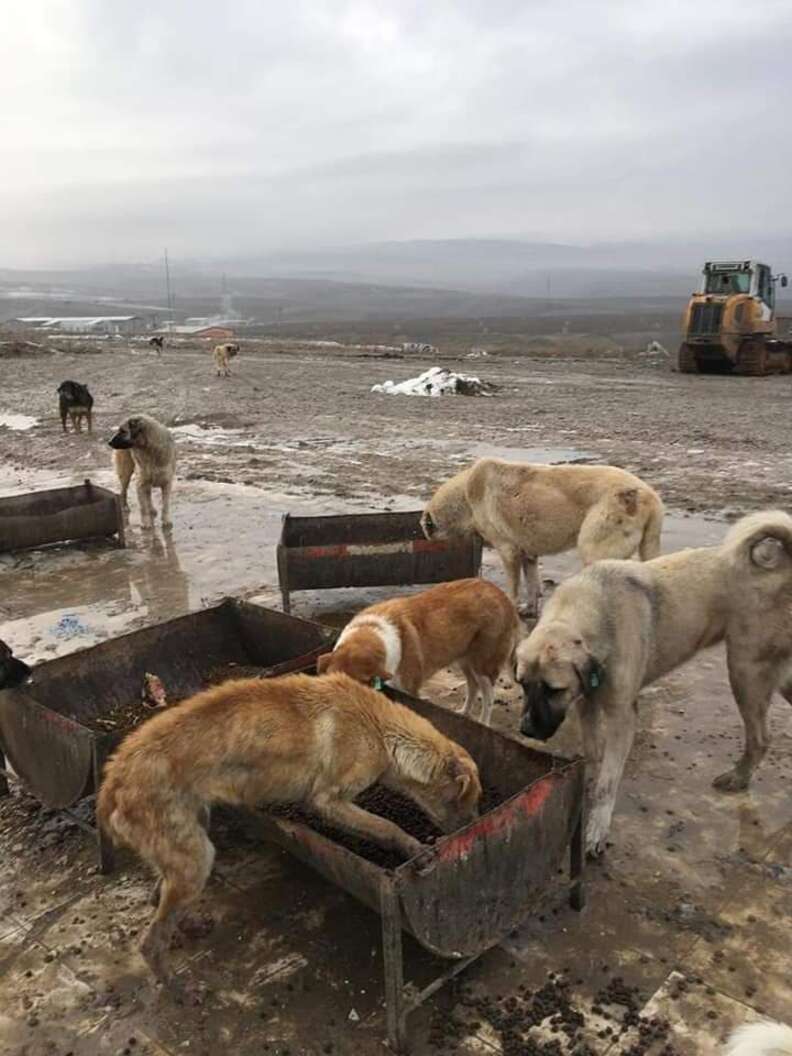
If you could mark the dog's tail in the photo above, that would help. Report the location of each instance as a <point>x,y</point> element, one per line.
<point>760,1039</point>
<point>760,541</point>
<point>650,540</point>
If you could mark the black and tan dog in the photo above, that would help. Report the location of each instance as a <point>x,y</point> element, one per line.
<point>76,403</point>
<point>12,671</point>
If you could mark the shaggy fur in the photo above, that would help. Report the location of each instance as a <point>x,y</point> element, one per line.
<point>298,739</point>
<point>145,446</point>
<point>618,626</point>
<point>760,1039</point>
<point>525,511</point>
<point>75,402</point>
<point>223,354</point>
<point>404,641</point>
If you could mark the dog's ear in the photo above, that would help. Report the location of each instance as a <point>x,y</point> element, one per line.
<point>768,553</point>
<point>629,500</point>
<point>322,663</point>
<point>461,776</point>
<point>591,675</point>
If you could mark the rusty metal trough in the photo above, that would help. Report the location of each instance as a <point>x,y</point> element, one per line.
<point>39,518</point>
<point>367,550</point>
<point>45,725</point>
<point>482,881</point>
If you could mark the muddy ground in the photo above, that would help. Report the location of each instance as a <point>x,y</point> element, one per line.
<point>691,905</point>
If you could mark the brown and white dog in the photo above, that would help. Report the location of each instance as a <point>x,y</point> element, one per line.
<point>404,641</point>
<point>298,739</point>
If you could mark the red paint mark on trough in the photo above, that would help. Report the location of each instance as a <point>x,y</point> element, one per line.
<point>500,820</point>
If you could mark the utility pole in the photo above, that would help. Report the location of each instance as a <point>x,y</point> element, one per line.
<point>168,288</point>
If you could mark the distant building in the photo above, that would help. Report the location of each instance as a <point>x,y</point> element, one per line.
<point>213,333</point>
<point>82,324</point>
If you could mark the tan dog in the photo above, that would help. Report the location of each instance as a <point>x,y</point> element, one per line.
<point>525,511</point>
<point>142,444</point>
<point>298,739</point>
<point>223,354</point>
<point>404,641</point>
<point>618,625</point>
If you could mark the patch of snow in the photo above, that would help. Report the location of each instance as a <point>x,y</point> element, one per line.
<point>18,422</point>
<point>437,381</point>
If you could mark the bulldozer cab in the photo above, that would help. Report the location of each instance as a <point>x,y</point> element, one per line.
<point>725,278</point>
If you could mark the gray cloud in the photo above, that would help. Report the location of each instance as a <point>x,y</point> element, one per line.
<point>127,126</point>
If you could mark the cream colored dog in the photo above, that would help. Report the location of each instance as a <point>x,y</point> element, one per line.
<point>525,511</point>
<point>223,354</point>
<point>619,625</point>
<point>404,641</point>
<point>143,446</point>
<point>298,739</point>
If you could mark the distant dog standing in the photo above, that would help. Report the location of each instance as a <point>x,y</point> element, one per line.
<point>319,741</point>
<point>157,342</point>
<point>75,402</point>
<point>526,511</point>
<point>617,626</point>
<point>223,354</point>
<point>404,641</point>
<point>145,446</point>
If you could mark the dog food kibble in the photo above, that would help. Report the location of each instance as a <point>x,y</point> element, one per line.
<point>525,1020</point>
<point>387,804</point>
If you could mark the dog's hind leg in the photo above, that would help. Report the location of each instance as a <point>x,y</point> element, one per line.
<point>166,497</point>
<point>472,691</point>
<point>185,868</point>
<point>606,745</point>
<point>752,685</point>
<point>487,698</point>
<point>354,819</point>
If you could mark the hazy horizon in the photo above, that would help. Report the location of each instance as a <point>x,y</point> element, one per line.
<point>259,129</point>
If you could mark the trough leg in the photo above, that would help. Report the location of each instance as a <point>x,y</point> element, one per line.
<point>286,601</point>
<point>394,965</point>
<point>4,789</point>
<point>577,894</point>
<point>104,845</point>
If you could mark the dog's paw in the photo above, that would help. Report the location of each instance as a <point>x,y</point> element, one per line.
<point>167,524</point>
<point>147,526</point>
<point>731,781</point>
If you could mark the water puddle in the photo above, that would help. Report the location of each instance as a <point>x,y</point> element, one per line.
<point>18,422</point>
<point>543,456</point>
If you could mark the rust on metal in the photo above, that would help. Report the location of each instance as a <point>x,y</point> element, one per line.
<point>39,518</point>
<point>367,550</point>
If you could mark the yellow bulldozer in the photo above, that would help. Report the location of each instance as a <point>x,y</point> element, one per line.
<point>730,325</point>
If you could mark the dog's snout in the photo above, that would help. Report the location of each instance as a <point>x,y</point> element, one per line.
<point>541,717</point>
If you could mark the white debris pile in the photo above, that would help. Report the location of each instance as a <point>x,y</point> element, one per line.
<point>437,381</point>
<point>654,348</point>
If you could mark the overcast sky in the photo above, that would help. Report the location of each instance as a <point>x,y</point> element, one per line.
<point>213,128</point>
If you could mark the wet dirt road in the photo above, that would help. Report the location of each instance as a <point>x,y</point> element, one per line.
<point>695,883</point>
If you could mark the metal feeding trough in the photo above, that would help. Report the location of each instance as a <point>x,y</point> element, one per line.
<point>367,550</point>
<point>482,881</point>
<point>39,518</point>
<point>55,729</point>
